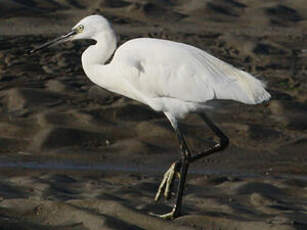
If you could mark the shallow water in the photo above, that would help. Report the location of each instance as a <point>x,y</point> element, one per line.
<point>128,167</point>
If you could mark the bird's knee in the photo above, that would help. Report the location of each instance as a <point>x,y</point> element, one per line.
<point>224,142</point>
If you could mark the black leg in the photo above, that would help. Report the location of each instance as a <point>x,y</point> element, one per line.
<point>182,165</point>
<point>179,167</point>
<point>224,141</point>
<point>187,158</point>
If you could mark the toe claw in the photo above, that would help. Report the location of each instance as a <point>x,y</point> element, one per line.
<point>167,216</point>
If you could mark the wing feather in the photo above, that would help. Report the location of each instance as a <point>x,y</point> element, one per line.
<point>177,70</point>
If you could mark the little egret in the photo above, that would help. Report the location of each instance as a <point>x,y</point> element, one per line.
<point>170,77</point>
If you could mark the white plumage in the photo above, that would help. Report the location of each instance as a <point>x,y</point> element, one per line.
<point>170,77</point>
<point>176,70</point>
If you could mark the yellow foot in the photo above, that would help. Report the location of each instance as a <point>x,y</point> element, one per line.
<point>168,216</point>
<point>166,182</point>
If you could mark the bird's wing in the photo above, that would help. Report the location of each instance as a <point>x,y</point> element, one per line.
<point>176,70</point>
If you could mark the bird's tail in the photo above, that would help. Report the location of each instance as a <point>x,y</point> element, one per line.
<point>243,87</point>
<point>234,84</point>
<point>252,87</point>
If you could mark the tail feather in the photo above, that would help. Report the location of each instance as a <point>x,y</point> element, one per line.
<point>243,87</point>
<point>231,83</point>
<point>253,87</point>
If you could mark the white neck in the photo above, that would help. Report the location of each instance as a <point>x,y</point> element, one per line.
<point>96,56</point>
<point>107,76</point>
<point>101,51</point>
<point>93,61</point>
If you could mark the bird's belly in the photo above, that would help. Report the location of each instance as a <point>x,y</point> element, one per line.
<point>178,108</point>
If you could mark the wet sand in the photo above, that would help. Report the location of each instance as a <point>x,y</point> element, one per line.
<point>74,156</point>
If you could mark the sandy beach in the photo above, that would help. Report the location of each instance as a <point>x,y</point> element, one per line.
<point>74,156</point>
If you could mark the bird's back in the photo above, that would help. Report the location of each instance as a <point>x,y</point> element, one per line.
<point>176,70</point>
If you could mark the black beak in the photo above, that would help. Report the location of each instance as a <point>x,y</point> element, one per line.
<point>58,40</point>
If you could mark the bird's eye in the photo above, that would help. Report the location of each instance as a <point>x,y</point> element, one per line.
<point>80,28</point>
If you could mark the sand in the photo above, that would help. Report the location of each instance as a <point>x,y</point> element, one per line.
<point>74,156</point>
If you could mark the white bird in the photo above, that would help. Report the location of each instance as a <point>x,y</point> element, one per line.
<point>170,77</point>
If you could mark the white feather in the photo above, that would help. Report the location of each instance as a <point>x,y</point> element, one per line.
<point>170,77</point>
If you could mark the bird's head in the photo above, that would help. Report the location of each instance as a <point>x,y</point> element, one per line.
<point>87,28</point>
<point>90,26</point>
